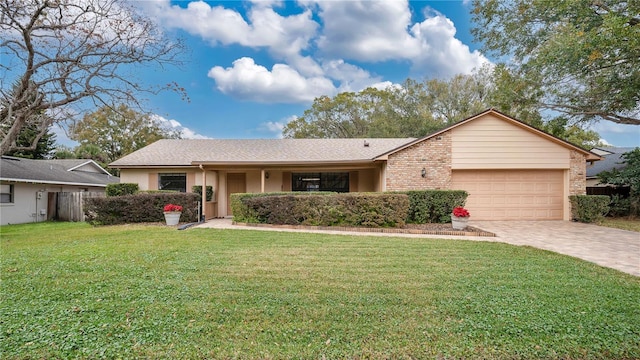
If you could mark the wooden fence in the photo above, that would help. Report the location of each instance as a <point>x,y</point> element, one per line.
<point>68,206</point>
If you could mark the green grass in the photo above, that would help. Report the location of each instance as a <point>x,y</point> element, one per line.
<point>622,223</point>
<point>74,291</point>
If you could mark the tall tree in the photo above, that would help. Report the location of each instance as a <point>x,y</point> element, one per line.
<point>67,53</point>
<point>573,133</point>
<point>415,109</point>
<point>583,55</point>
<point>410,109</point>
<point>460,96</point>
<point>114,131</point>
<point>44,148</point>
<point>30,143</point>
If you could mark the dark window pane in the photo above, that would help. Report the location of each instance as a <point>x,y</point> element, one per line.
<point>6,194</point>
<point>174,182</point>
<point>338,182</point>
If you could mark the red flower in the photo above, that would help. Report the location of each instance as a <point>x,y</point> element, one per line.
<point>172,208</point>
<point>460,212</point>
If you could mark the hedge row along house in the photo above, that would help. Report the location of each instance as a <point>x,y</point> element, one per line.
<point>511,170</point>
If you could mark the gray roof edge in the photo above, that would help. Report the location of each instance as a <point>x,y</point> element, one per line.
<point>53,182</point>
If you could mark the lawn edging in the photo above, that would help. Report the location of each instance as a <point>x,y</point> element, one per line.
<point>474,232</point>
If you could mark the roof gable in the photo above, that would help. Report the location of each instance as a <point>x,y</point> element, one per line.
<point>589,155</point>
<point>89,166</point>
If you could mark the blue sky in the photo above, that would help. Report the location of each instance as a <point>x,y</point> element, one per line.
<point>253,66</point>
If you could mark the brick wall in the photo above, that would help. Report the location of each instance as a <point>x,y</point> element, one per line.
<point>434,155</point>
<point>577,174</point>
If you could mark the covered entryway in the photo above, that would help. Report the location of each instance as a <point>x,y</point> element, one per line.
<point>236,183</point>
<point>512,194</point>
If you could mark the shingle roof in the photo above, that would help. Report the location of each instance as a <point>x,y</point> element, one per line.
<point>60,171</point>
<point>246,151</point>
<point>608,162</point>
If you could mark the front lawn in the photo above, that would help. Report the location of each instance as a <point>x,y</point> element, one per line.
<point>623,223</point>
<point>74,291</point>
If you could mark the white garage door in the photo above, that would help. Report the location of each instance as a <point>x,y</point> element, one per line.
<point>512,194</point>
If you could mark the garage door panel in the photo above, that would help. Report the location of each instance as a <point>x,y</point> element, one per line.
<point>512,194</point>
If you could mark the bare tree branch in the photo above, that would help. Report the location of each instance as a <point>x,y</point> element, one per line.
<point>69,53</point>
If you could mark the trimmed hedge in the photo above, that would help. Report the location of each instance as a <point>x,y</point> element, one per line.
<point>589,208</point>
<point>139,208</point>
<point>322,209</point>
<point>121,189</point>
<point>433,206</point>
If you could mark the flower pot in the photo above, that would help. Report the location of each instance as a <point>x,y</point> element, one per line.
<point>172,217</point>
<point>458,222</point>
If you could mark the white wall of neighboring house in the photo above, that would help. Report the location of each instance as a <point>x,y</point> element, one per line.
<point>30,201</point>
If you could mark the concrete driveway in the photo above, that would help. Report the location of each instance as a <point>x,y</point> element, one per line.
<point>613,248</point>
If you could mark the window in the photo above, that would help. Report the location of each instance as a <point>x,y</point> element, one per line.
<point>338,181</point>
<point>6,194</point>
<point>175,182</point>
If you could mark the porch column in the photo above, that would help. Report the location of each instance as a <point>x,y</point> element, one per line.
<point>204,194</point>
<point>383,177</point>
<point>262,174</point>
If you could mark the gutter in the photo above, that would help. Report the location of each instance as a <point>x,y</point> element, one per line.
<point>32,181</point>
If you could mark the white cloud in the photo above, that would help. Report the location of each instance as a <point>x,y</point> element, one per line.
<point>611,127</point>
<point>351,77</point>
<point>276,127</point>
<point>374,31</point>
<point>312,59</point>
<point>248,81</point>
<point>367,30</point>
<point>605,142</point>
<point>441,54</point>
<point>176,125</point>
<point>283,35</point>
<point>617,134</point>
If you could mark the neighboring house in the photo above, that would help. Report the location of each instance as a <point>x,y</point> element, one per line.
<point>611,159</point>
<point>28,186</point>
<point>510,169</point>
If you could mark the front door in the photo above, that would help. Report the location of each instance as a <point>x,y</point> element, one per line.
<point>236,183</point>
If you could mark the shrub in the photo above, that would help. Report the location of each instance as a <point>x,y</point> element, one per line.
<point>433,206</point>
<point>121,189</point>
<point>197,189</point>
<point>322,209</point>
<point>619,206</point>
<point>589,208</point>
<point>139,208</point>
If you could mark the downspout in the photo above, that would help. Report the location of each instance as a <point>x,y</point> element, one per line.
<point>204,194</point>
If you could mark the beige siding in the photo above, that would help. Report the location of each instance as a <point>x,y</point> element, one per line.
<point>253,181</point>
<point>492,143</point>
<point>136,176</point>
<point>147,179</point>
<point>274,182</point>
<point>368,180</point>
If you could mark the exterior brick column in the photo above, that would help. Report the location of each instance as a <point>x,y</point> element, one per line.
<point>578,174</point>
